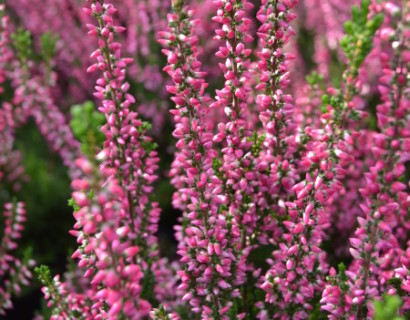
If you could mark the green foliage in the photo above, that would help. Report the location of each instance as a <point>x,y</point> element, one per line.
<point>21,41</point>
<point>48,46</point>
<point>145,126</point>
<point>23,45</point>
<point>85,123</point>
<point>342,277</point>
<point>387,309</point>
<point>257,144</point>
<point>358,40</point>
<point>43,274</point>
<point>314,79</point>
<point>148,145</point>
<point>57,296</point>
<point>216,165</point>
<point>356,43</point>
<point>337,102</point>
<point>148,285</point>
<point>71,203</point>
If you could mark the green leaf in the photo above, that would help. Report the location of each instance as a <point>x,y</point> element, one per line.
<point>48,45</point>
<point>387,309</point>
<point>86,124</point>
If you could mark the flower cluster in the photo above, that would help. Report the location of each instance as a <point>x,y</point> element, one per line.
<point>13,272</point>
<point>277,178</point>
<point>127,150</point>
<point>206,234</point>
<point>377,243</point>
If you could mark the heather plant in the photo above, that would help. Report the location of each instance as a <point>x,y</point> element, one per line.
<point>289,171</point>
<point>14,272</point>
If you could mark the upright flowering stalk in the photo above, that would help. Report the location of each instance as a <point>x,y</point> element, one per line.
<point>127,149</point>
<point>188,90</point>
<point>275,161</point>
<point>13,272</point>
<point>275,106</point>
<point>128,153</point>
<point>205,235</point>
<point>235,170</point>
<point>275,170</point>
<point>116,221</point>
<point>107,245</point>
<point>297,276</point>
<point>376,246</point>
<point>235,133</point>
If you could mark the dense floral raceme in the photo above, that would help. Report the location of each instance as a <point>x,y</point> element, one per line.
<point>275,132</point>
<point>14,272</point>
